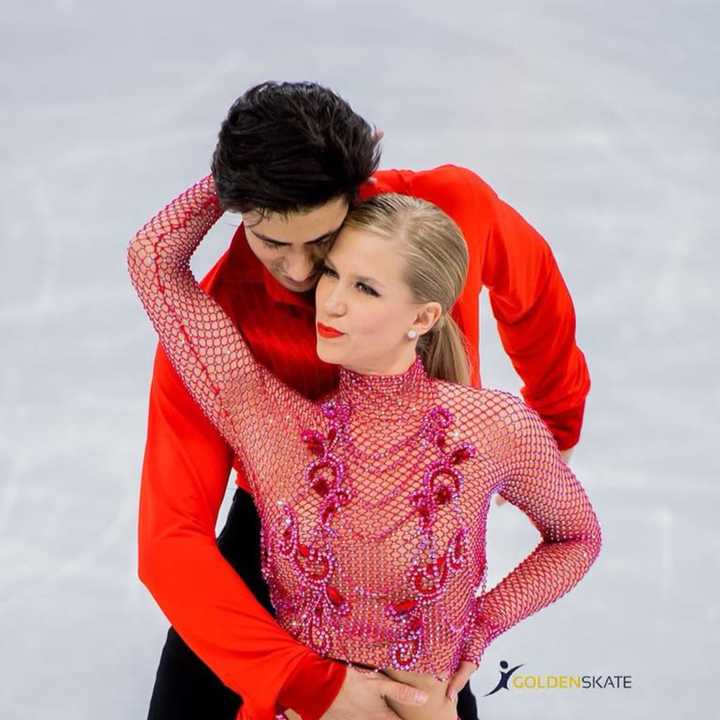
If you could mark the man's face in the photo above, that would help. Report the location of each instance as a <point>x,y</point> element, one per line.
<point>290,247</point>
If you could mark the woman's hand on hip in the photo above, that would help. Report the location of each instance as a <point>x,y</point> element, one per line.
<point>459,679</point>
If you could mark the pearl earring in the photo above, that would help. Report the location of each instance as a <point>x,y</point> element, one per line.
<point>412,334</point>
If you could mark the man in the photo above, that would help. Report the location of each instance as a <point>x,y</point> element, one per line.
<point>292,158</point>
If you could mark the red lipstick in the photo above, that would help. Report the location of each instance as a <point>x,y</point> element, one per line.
<point>327,331</point>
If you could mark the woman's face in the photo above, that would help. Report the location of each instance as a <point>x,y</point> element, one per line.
<point>362,294</point>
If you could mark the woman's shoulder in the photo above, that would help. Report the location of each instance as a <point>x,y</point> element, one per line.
<point>492,409</point>
<point>484,398</point>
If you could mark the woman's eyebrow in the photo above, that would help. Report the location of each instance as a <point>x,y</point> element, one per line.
<point>309,242</point>
<point>361,278</point>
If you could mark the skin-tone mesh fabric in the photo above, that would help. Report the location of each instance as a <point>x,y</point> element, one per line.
<point>374,500</point>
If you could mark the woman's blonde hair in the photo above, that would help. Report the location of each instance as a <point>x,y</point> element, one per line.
<point>436,267</point>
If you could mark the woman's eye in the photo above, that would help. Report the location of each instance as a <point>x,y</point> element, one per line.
<point>325,270</point>
<point>367,289</point>
<point>270,245</point>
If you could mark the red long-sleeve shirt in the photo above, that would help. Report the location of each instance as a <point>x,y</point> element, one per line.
<point>186,463</point>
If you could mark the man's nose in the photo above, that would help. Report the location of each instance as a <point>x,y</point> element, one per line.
<point>299,269</point>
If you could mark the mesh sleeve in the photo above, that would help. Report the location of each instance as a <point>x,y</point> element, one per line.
<point>540,483</point>
<point>200,340</point>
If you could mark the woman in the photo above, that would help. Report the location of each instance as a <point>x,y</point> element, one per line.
<point>373,501</point>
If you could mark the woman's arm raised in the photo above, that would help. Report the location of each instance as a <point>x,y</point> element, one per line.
<point>216,367</point>
<point>200,340</point>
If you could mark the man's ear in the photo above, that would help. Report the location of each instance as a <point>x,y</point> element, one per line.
<point>427,316</point>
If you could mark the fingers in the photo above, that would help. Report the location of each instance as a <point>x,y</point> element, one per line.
<point>454,686</point>
<point>389,714</point>
<point>402,693</point>
<point>500,500</point>
<point>460,679</point>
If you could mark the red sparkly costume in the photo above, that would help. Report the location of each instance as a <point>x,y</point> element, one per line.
<point>373,500</point>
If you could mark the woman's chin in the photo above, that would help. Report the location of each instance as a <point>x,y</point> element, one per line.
<point>328,354</point>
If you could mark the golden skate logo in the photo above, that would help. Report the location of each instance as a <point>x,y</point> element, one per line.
<point>509,677</point>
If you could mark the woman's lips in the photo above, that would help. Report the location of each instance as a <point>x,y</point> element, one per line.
<point>328,332</point>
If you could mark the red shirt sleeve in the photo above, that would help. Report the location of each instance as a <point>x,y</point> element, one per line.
<point>185,474</point>
<point>184,477</point>
<point>535,317</point>
<point>528,296</point>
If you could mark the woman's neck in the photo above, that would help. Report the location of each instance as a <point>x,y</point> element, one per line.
<point>388,395</point>
<point>394,366</point>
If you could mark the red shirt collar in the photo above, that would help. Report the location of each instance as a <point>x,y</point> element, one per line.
<point>383,181</point>
<point>279,293</point>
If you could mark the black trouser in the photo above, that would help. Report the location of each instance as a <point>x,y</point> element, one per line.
<point>185,688</point>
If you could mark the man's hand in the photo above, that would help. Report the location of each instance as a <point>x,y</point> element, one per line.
<point>362,697</point>
<point>500,500</point>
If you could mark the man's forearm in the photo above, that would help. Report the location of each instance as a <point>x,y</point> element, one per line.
<point>185,474</point>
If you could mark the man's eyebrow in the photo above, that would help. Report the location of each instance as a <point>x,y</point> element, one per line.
<point>361,278</point>
<point>309,242</point>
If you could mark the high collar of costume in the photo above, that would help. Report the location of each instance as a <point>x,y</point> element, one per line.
<point>386,394</point>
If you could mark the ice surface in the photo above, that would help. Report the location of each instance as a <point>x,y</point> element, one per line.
<point>597,121</point>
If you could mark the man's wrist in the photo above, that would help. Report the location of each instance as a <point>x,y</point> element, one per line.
<point>313,686</point>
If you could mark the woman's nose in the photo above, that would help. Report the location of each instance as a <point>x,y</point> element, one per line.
<point>335,302</point>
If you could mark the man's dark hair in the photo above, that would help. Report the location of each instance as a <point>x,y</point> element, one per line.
<point>289,147</point>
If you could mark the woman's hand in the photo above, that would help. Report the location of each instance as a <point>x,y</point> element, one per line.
<point>459,679</point>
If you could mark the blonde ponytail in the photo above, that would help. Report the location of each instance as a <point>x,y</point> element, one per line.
<point>445,352</point>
